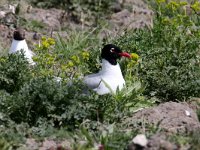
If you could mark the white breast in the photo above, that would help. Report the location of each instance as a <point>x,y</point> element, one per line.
<point>22,45</point>
<point>108,80</point>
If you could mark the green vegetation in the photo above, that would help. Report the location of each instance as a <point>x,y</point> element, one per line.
<point>4,145</point>
<point>34,104</point>
<point>32,25</point>
<point>32,98</point>
<point>14,72</point>
<point>169,52</point>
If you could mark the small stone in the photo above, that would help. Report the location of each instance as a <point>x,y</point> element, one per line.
<point>140,140</point>
<point>187,113</point>
<point>2,14</point>
<point>12,8</point>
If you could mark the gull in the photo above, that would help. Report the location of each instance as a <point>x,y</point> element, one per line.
<point>109,79</point>
<point>19,43</point>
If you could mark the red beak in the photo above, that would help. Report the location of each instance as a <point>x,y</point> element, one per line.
<point>125,54</point>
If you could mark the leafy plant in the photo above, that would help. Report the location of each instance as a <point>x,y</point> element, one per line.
<point>37,99</point>
<point>14,72</point>
<point>67,58</point>
<point>169,68</point>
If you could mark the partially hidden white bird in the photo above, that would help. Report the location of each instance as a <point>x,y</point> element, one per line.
<point>110,77</point>
<point>19,43</point>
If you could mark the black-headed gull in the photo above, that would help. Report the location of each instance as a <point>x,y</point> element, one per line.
<point>19,43</point>
<point>110,77</point>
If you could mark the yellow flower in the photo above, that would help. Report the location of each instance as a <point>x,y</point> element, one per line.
<point>183,3</point>
<point>70,64</point>
<point>51,58</point>
<point>85,55</point>
<point>131,63</point>
<point>2,59</point>
<point>51,41</point>
<point>134,56</point>
<point>173,5</point>
<point>44,38</point>
<point>49,62</point>
<point>75,59</point>
<point>196,6</point>
<point>35,58</point>
<point>45,44</point>
<point>63,67</point>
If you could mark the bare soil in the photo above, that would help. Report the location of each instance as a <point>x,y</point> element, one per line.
<point>167,119</point>
<point>172,117</point>
<point>54,20</point>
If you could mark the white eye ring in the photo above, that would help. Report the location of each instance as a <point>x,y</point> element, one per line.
<point>112,50</point>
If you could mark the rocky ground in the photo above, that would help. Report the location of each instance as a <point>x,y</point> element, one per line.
<point>168,119</point>
<point>53,20</point>
<point>171,117</point>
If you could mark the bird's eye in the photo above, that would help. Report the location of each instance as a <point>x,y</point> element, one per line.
<point>112,50</point>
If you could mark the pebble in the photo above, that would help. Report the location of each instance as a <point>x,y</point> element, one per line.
<point>140,140</point>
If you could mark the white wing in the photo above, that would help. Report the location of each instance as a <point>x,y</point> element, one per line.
<point>92,81</point>
<point>103,88</point>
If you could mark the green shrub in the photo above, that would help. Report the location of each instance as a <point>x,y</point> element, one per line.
<point>40,102</point>
<point>14,72</point>
<point>44,98</point>
<point>170,55</point>
<point>40,98</point>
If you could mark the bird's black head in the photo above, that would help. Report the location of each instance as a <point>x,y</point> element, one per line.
<point>19,34</point>
<point>111,53</point>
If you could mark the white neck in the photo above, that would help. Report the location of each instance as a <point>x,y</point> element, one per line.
<point>18,45</point>
<point>108,68</point>
<point>22,45</point>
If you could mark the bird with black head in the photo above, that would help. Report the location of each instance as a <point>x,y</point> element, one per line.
<point>19,43</point>
<point>110,77</point>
